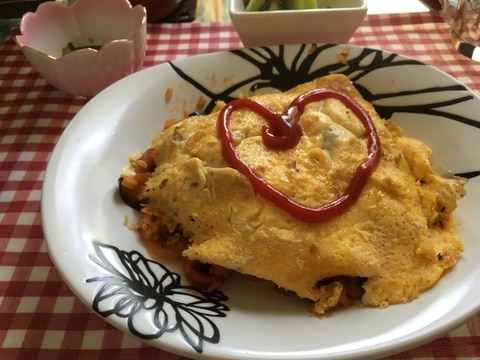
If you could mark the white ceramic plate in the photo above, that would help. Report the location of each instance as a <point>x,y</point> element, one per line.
<point>109,270</point>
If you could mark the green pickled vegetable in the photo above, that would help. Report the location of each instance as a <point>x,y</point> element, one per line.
<point>270,5</point>
<point>72,47</point>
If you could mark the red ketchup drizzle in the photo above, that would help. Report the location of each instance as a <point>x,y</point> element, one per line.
<point>284,132</point>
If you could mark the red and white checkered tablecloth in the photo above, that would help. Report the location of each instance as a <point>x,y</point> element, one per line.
<point>39,316</point>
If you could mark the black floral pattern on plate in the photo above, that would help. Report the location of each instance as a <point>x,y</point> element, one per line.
<point>136,288</point>
<point>276,72</point>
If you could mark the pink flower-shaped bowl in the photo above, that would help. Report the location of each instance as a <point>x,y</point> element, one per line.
<point>84,47</point>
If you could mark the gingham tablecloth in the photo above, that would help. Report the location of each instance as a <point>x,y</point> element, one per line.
<point>39,316</point>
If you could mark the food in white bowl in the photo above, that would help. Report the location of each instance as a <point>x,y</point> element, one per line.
<point>84,47</point>
<point>269,5</point>
<point>333,21</point>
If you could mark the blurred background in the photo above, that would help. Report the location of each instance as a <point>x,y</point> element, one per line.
<point>205,10</point>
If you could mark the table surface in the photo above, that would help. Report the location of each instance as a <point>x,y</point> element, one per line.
<point>39,316</point>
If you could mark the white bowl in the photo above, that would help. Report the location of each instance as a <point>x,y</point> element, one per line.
<point>333,22</point>
<point>118,28</point>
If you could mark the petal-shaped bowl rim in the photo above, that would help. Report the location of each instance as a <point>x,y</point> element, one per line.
<point>34,19</point>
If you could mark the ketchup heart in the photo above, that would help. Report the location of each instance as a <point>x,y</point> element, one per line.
<point>283,132</point>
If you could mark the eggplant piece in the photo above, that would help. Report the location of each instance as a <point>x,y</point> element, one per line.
<point>201,276</point>
<point>146,162</point>
<point>131,189</point>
